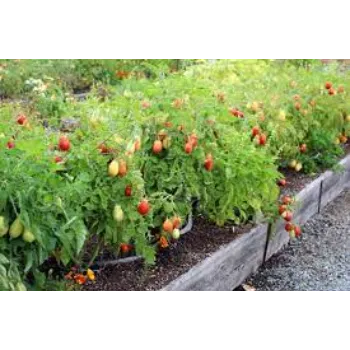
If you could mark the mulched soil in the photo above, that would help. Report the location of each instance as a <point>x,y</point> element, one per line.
<point>204,239</point>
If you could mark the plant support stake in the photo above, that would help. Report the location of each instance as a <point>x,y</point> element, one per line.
<point>268,237</point>
<point>320,198</point>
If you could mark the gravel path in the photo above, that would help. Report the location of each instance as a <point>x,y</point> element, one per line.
<point>319,261</point>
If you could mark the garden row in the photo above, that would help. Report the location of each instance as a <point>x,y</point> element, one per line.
<point>122,180</point>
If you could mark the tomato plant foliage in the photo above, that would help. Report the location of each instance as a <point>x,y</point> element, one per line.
<point>201,120</point>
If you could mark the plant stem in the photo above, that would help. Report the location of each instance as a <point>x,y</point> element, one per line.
<point>94,255</point>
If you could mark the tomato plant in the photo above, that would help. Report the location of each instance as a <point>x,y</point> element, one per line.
<point>143,149</point>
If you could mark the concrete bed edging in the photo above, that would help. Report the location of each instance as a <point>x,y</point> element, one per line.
<point>229,266</point>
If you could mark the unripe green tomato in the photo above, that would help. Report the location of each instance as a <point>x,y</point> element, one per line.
<point>118,213</point>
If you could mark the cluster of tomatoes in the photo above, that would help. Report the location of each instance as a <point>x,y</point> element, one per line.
<point>79,277</point>
<point>163,142</point>
<point>286,213</point>
<point>119,168</point>
<point>191,143</point>
<point>63,145</point>
<point>258,136</point>
<point>294,164</point>
<point>171,230</point>
<point>21,120</point>
<point>236,112</point>
<point>331,90</point>
<point>115,168</point>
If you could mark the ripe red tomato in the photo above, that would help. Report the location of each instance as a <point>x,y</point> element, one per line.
<point>262,140</point>
<point>297,231</point>
<point>80,279</point>
<point>10,145</point>
<point>282,209</point>
<point>255,131</point>
<point>143,207</point>
<point>328,85</point>
<point>21,119</point>
<point>282,182</point>
<point>58,159</point>
<point>125,248</point>
<point>289,227</point>
<point>288,216</point>
<point>128,191</point>
<point>188,147</point>
<point>157,147</point>
<point>64,144</point>
<point>234,111</point>
<point>209,163</point>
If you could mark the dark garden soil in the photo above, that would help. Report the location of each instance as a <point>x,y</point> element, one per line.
<point>296,181</point>
<point>204,239</point>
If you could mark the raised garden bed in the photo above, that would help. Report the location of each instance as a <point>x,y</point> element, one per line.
<point>90,185</point>
<point>212,258</point>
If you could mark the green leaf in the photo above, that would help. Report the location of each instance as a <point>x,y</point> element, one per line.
<point>31,147</point>
<point>3,260</point>
<point>84,177</point>
<point>4,284</point>
<point>81,234</point>
<point>168,207</point>
<point>42,254</point>
<point>65,256</point>
<point>3,271</point>
<point>29,261</point>
<point>13,273</point>
<point>66,237</point>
